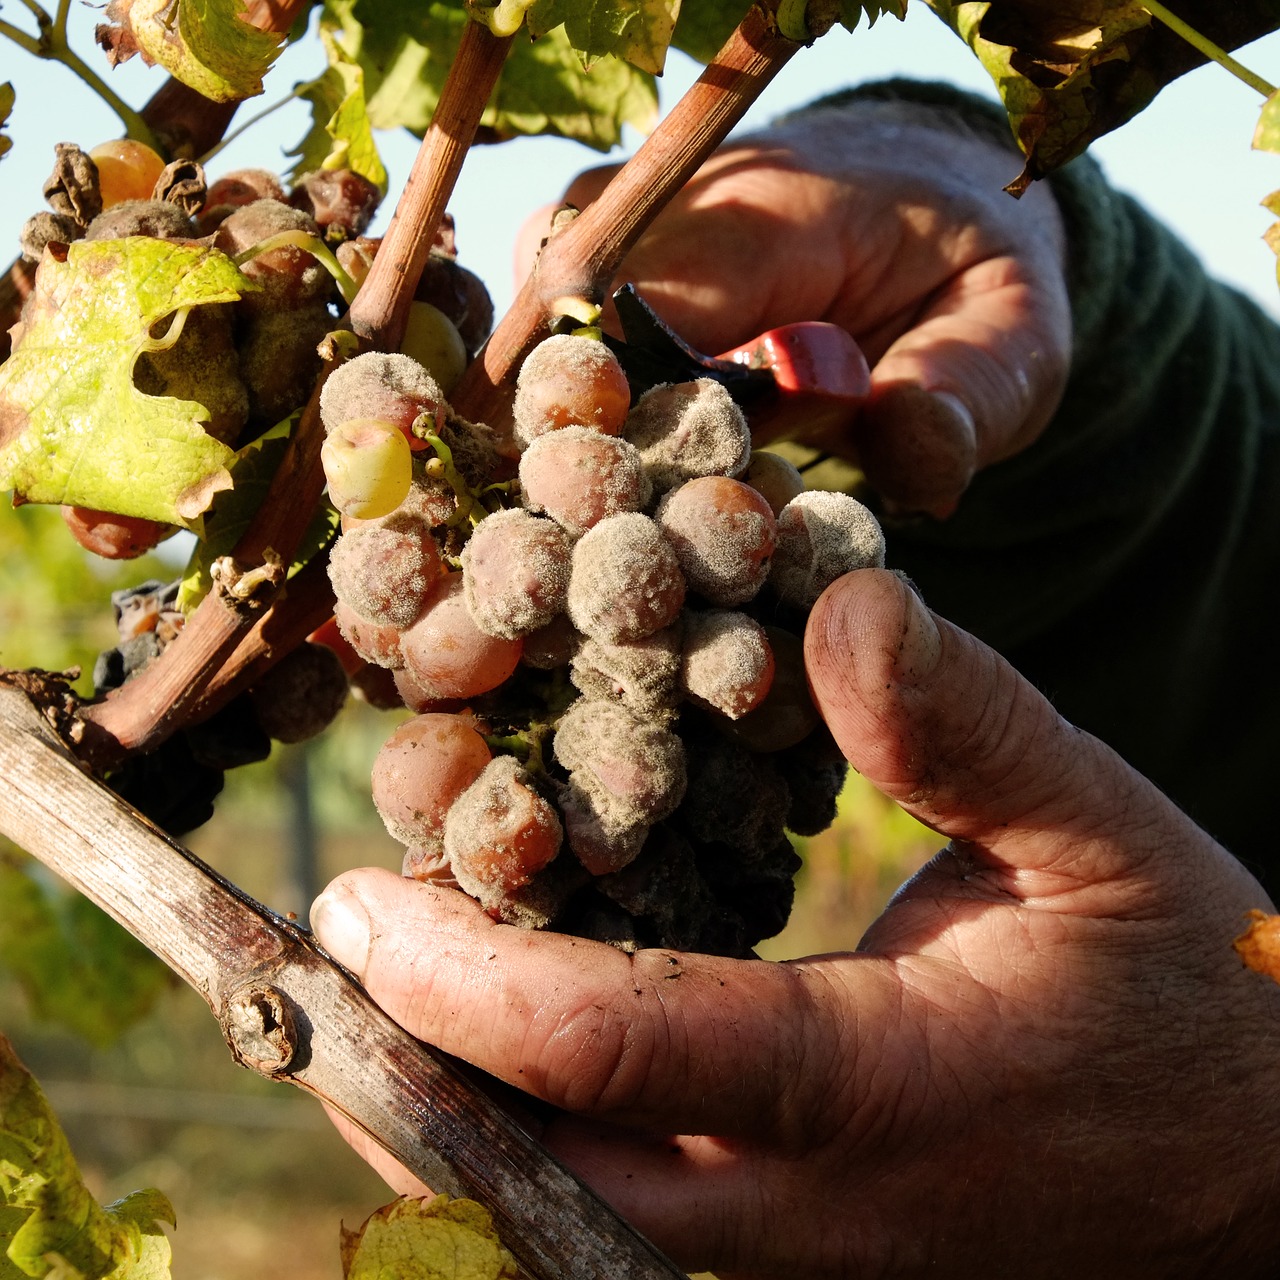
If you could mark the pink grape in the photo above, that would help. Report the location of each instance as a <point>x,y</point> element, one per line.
<point>373,642</point>
<point>625,581</point>
<point>114,537</point>
<point>421,770</point>
<point>566,381</point>
<point>516,570</point>
<point>385,569</point>
<point>689,429</point>
<point>578,477</point>
<point>500,832</point>
<point>446,652</point>
<point>391,387</point>
<point>723,532</point>
<point>727,663</point>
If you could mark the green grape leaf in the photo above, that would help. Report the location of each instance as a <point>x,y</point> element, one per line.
<point>1070,72</point>
<point>704,25</point>
<point>807,20</point>
<point>73,427</point>
<point>50,1225</point>
<point>206,44</point>
<point>637,31</point>
<point>75,965</point>
<point>430,1239</point>
<point>1267,135</point>
<point>544,88</point>
<point>233,510</point>
<point>341,136</point>
<point>6,106</point>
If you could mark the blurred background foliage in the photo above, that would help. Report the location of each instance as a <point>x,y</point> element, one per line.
<point>132,1060</point>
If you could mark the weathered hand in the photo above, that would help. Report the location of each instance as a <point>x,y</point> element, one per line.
<point>1044,1059</point>
<point>880,218</point>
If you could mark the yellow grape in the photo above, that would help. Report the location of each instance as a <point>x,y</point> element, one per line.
<point>432,339</point>
<point>127,170</point>
<point>369,467</point>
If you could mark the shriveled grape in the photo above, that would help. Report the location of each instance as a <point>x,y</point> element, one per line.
<point>821,537</point>
<point>642,675</point>
<point>301,695</point>
<point>727,663</point>
<point>688,429</point>
<point>384,570</point>
<point>500,832</point>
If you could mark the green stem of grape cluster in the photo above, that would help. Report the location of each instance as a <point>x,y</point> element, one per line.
<point>1206,46</point>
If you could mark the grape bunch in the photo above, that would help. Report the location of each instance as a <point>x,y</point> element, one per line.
<point>600,641</point>
<point>254,362</point>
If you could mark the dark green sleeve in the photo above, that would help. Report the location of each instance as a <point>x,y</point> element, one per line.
<point>1125,561</point>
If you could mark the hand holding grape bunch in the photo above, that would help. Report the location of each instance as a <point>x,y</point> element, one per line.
<point>1036,1062</point>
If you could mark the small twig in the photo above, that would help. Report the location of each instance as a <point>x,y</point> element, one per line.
<point>581,260</point>
<point>304,605</point>
<point>381,308</point>
<point>229,138</point>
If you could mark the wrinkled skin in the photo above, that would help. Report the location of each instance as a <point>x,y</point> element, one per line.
<point>1044,1058</point>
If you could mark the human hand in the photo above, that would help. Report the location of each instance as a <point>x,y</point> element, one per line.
<point>883,219</point>
<point>1044,1060</point>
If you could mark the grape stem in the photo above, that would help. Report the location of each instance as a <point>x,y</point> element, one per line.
<point>580,260</point>
<point>1199,41</point>
<point>381,308</point>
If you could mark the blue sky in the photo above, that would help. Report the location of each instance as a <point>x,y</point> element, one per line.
<point>1188,156</point>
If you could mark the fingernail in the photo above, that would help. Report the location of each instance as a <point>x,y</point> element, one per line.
<point>921,645</point>
<point>341,926</point>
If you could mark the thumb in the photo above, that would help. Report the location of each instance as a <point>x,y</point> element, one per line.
<point>943,725</point>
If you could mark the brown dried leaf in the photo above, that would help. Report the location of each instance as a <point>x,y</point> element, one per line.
<point>1259,945</point>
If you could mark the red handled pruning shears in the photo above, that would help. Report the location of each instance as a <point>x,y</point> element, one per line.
<point>810,373</point>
